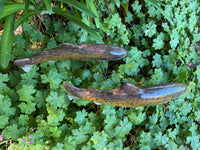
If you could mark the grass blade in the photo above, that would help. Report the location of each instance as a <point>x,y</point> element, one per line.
<point>7,41</point>
<point>23,18</point>
<point>13,8</point>
<point>91,5</point>
<point>2,3</point>
<point>78,22</point>
<point>79,6</point>
<point>48,6</point>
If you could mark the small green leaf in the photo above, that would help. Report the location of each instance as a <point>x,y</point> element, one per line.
<point>157,62</point>
<point>80,117</point>
<point>124,128</point>
<point>26,93</point>
<point>36,36</point>
<point>136,118</point>
<point>28,107</point>
<point>5,106</point>
<point>13,132</point>
<point>111,122</point>
<point>4,121</point>
<point>99,140</point>
<point>53,77</point>
<point>55,100</point>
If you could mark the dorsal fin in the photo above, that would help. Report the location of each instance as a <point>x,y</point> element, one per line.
<point>68,46</point>
<point>129,88</point>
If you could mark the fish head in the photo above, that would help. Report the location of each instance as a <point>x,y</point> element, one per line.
<point>104,52</point>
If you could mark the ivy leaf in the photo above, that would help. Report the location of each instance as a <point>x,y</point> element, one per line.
<point>63,65</point>
<point>153,118</point>
<point>20,42</point>
<point>157,62</point>
<point>108,110</point>
<point>4,121</point>
<point>70,143</point>
<point>137,118</point>
<point>111,122</point>
<point>107,84</point>
<point>28,107</point>
<point>182,74</point>
<point>36,36</point>
<point>116,144</point>
<point>55,132</point>
<point>80,136</point>
<point>194,141</point>
<point>129,17</point>
<point>29,78</point>
<point>158,43</point>
<point>77,81</point>
<point>27,28</point>
<point>53,77</point>
<point>185,108</point>
<point>52,44</point>
<point>55,100</point>
<point>58,146</point>
<point>81,102</point>
<point>13,132</point>
<point>23,120</point>
<point>136,7</point>
<point>146,139</point>
<point>66,37</point>
<point>5,106</point>
<point>168,61</point>
<point>158,77</point>
<point>99,140</point>
<point>14,78</point>
<point>174,39</point>
<point>55,115</point>
<point>86,74</point>
<point>123,129</point>
<point>150,29</point>
<point>40,99</point>
<point>3,78</point>
<point>26,92</point>
<point>131,68</point>
<point>161,139</point>
<point>80,117</point>
<point>58,27</point>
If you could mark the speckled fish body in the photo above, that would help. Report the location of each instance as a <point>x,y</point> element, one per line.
<point>129,95</point>
<point>84,52</point>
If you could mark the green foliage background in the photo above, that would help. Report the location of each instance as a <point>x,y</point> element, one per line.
<point>34,105</point>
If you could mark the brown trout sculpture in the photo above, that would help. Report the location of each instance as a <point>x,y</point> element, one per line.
<point>84,52</point>
<point>127,95</point>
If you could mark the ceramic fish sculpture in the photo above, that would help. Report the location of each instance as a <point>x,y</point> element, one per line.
<point>129,95</point>
<point>84,52</point>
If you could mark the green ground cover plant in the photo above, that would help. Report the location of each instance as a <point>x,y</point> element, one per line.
<point>36,113</point>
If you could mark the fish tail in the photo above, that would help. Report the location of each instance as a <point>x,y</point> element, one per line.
<point>72,90</point>
<point>23,62</point>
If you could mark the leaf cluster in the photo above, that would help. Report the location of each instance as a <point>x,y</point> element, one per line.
<point>35,110</point>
